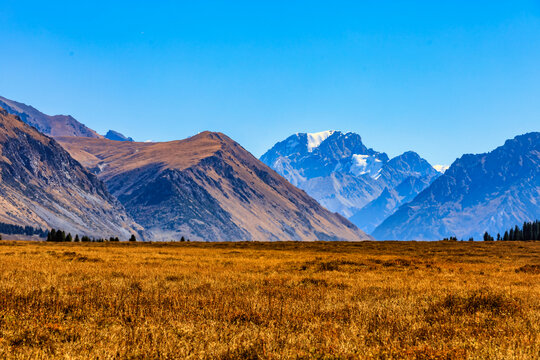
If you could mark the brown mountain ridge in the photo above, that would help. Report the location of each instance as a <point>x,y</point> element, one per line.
<point>209,188</point>
<point>55,125</point>
<point>41,185</point>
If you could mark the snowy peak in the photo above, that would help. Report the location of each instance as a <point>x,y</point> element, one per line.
<point>315,139</point>
<point>339,171</point>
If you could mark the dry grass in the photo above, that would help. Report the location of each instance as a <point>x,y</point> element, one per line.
<point>266,300</point>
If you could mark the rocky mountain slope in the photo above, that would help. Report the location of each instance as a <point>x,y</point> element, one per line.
<point>485,192</point>
<point>344,175</point>
<point>208,188</point>
<point>376,211</point>
<point>43,186</point>
<point>57,125</point>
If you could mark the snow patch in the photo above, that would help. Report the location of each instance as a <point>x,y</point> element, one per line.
<point>315,139</point>
<point>365,164</point>
<point>441,168</point>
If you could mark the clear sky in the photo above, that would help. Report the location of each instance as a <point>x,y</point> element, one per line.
<point>442,78</point>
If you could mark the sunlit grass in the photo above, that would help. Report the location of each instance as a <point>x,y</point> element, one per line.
<point>270,300</point>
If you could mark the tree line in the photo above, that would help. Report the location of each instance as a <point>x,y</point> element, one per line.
<point>530,231</point>
<point>11,229</point>
<point>61,236</point>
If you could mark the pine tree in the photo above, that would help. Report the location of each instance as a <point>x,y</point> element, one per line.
<point>60,236</point>
<point>69,238</point>
<point>132,238</point>
<point>518,234</point>
<point>77,238</point>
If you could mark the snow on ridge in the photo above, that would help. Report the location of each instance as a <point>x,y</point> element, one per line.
<point>366,164</point>
<point>315,139</point>
<point>441,168</point>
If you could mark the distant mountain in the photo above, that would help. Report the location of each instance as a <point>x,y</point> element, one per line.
<point>344,175</point>
<point>116,136</point>
<point>57,125</point>
<point>207,188</point>
<point>485,192</point>
<point>44,187</point>
<point>375,212</point>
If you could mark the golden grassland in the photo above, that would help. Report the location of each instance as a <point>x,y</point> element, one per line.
<point>373,300</point>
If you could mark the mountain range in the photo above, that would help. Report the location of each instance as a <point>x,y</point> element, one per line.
<point>345,176</point>
<point>206,187</point>
<point>56,172</point>
<point>55,125</point>
<point>485,192</point>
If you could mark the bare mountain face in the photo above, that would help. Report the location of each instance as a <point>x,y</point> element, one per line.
<point>207,188</point>
<point>345,176</point>
<point>43,186</point>
<point>376,211</point>
<point>57,125</point>
<point>116,136</point>
<point>486,192</point>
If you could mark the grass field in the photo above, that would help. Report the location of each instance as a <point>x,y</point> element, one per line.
<point>380,300</point>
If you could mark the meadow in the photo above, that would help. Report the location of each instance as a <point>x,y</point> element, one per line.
<point>370,300</point>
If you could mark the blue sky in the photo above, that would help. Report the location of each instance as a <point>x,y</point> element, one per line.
<point>440,78</point>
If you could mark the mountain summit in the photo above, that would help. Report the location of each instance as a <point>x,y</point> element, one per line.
<point>116,136</point>
<point>209,188</point>
<point>57,125</point>
<point>344,175</point>
<point>485,192</point>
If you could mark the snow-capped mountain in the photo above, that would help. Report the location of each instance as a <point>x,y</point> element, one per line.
<point>343,174</point>
<point>485,192</point>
